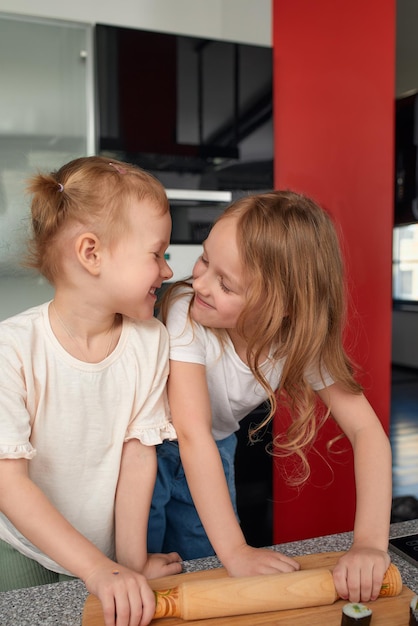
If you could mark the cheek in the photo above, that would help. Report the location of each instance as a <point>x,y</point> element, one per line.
<point>231,310</point>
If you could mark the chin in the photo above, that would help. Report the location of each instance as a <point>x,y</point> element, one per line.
<point>143,314</point>
<point>147,316</point>
<point>204,320</point>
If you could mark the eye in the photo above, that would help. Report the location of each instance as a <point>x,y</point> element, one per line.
<point>223,286</point>
<point>204,260</point>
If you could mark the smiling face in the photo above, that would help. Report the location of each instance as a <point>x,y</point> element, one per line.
<point>136,265</point>
<point>218,279</point>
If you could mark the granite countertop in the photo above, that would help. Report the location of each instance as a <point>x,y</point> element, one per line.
<point>62,604</point>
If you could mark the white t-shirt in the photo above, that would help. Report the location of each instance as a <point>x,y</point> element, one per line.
<point>233,390</point>
<point>71,418</point>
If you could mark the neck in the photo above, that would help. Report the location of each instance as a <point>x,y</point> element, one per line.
<point>80,342</point>
<point>241,345</point>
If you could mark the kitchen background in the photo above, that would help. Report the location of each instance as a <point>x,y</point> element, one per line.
<point>52,71</point>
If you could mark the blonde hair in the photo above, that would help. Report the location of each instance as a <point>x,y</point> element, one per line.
<point>92,191</point>
<point>291,256</point>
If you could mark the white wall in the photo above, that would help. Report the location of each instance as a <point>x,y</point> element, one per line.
<point>246,21</point>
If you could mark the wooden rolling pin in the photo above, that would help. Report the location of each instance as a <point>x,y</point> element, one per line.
<point>203,599</point>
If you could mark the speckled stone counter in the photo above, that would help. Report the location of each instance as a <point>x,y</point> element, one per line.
<point>62,604</point>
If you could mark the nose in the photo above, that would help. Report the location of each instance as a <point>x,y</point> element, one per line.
<point>200,282</point>
<point>166,271</point>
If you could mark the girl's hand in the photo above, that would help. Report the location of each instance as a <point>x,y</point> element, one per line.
<point>162,565</point>
<point>127,599</point>
<point>248,561</point>
<point>359,573</point>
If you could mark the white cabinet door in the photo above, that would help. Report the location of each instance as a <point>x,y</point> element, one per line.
<point>46,119</point>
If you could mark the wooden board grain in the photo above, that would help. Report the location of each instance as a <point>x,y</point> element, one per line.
<point>393,611</point>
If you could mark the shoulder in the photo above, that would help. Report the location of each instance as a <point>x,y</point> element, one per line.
<point>147,333</point>
<point>23,337</point>
<point>151,328</point>
<point>20,318</point>
<point>24,323</point>
<point>145,346</point>
<point>177,314</point>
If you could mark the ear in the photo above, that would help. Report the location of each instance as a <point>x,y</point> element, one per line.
<point>88,252</point>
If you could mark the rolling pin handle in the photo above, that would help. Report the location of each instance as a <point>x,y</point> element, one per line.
<point>167,603</point>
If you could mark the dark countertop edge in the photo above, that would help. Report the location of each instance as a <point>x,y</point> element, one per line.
<point>62,604</point>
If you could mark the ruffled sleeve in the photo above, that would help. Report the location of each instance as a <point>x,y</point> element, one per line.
<point>154,435</point>
<point>15,420</point>
<point>22,451</point>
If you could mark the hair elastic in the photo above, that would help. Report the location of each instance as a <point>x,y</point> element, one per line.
<point>119,169</point>
<point>60,187</point>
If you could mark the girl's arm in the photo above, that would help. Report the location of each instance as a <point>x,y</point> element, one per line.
<point>26,506</point>
<point>359,573</point>
<point>133,500</point>
<point>190,408</point>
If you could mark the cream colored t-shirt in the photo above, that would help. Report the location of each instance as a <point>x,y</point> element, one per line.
<point>71,418</point>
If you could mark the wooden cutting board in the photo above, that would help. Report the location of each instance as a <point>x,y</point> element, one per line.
<point>393,611</point>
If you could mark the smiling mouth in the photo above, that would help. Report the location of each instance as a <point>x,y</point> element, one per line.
<point>201,302</point>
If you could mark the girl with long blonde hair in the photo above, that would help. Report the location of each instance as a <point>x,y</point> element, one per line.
<point>262,319</point>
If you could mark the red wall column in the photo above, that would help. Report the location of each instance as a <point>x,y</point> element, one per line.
<point>334,68</point>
